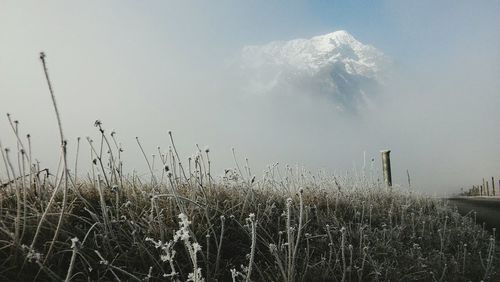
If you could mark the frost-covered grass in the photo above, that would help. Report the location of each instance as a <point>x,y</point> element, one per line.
<point>180,223</point>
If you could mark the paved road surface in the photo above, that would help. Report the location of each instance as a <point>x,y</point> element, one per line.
<point>487,208</point>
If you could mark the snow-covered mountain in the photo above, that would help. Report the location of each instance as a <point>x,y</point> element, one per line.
<point>335,64</point>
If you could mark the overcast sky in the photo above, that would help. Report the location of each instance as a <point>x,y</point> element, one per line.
<point>146,67</point>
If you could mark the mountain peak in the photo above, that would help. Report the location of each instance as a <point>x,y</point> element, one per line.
<point>334,64</point>
<point>339,35</point>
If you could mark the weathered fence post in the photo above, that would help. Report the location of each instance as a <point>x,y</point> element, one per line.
<point>493,185</point>
<point>487,189</point>
<point>484,188</point>
<point>386,166</point>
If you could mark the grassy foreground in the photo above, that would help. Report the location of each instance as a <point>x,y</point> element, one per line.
<point>181,224</point>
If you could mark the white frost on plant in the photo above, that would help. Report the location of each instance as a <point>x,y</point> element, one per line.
<point>196,247</point>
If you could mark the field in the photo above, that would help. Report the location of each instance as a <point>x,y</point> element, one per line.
<point>182,224</point>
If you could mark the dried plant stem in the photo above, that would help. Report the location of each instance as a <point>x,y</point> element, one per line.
<point>72,260</point>
<point>289,239</point>
<point>342,246</point>
<point>64,155</point>
<point>76,159</point>
<point>104,209</point>
<point>177,154</point>
<point>253,225</point>
<point>147,161</point>
<point>219,247</point>
<point>17,221</point>
<point>299,228</point>
<point>99,160</point>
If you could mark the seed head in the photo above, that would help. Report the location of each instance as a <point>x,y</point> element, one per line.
<point>74,242</point>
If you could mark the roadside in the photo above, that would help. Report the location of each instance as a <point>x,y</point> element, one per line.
<point>488,211</point>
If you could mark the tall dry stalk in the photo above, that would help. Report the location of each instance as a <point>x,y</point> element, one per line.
<point>289,239</point>
<point>65,164</point>
<point>253,226</point>
<point>17,220</point>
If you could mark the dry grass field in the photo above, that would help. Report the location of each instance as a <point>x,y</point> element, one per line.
<point>183,223</point>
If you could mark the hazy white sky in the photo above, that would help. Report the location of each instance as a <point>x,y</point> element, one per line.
<point>146,67</point>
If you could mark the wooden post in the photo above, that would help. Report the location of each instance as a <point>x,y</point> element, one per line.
<point>480,194</point>
<point>484,188</point>
<point>386,166</point>
<point>409,182</point>
<point>487,189</point>
<point>493,185</point>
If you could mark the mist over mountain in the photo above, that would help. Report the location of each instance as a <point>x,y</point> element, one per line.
<point>334,65</point>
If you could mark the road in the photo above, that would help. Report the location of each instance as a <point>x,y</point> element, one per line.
<point>487,208</point>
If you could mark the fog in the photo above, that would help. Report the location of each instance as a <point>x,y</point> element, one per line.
<point>146,68</point>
